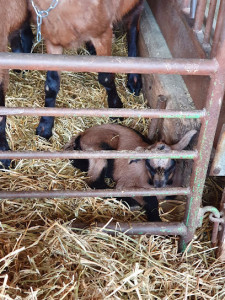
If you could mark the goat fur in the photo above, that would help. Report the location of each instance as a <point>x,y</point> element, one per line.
<point>127,174</point>
<point>69,25</point>
<point>13,16</point>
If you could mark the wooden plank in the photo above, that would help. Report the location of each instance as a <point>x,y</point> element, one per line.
<point>172,87</point>
<point>182,42</point>
<point>152,44</point>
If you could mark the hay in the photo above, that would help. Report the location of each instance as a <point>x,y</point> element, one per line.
<point>42,258</point>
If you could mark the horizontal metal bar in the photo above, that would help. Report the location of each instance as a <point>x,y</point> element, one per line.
<point>94,193</point>
<point>114,64</point>
<point>96,154</point>
<point>104,112</point>
<point>158,228</point>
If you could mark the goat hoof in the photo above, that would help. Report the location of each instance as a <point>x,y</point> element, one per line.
<point>114,101</point>
<point>4,146</point>
<point>44,128</point>
<point>134,83</point>
<point>5,164</point>
<point>41,131</point>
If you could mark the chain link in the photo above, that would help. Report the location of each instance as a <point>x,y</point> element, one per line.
<point>40,15</point>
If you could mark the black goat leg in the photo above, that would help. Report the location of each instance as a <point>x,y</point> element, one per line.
<point>90,48</point>
<point>4,146</point>
<point>108,81</point>
<point>134,82</point>
<point>152,208</point>
<point>52,85</point>
<point>27,37</point>
<point>128,201</point>
<point>21,41</point>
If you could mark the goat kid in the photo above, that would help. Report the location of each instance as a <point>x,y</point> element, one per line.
<point>72,23</point>
<point>14,16</point>
<point>127,174</point>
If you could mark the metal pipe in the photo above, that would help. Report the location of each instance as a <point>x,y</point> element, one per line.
<point>114,64</point>
<point>204,146</point>
<point>107,112</point>
<point>193,8</point>
<point>96,154</point>
<point>219,28</point>
<point>200,14</point>
<point>94,193</point>
<point>157,228</point>
<point>209,21</point>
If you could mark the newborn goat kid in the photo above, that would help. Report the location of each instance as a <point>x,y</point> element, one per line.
<point>127,174</point>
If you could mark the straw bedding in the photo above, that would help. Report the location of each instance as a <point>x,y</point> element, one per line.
<point>42,258</point>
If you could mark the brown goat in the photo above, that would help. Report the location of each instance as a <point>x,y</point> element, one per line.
<point>127,174</point>
<point>14,15</point>
<point>72,23</point>
<point>68,25</point>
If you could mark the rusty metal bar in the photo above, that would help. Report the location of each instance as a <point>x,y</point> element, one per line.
<point>221,235</point>
<point>96,154</point>
<point>215,234</point>
<point>200,14</point>
<point>209,21</point>
<point>94,193</point>
<point>104,112</point>
<point>219,28</point>
<point>205,143</point>
<point>218,164</point>
<point>113,64</point>
<point>159,228</point>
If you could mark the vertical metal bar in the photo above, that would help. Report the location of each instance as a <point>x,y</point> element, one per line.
<point>205,143</point>
<point>215,230</point>
<point>221,236</point>
<point>209,22</point>
<point>193,8</point>
<point>219,27</point>
<point>200,14</point>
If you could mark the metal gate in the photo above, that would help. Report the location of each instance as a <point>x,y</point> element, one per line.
<point>214,67</point>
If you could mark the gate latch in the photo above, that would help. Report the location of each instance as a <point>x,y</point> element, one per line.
<point>216,217</point>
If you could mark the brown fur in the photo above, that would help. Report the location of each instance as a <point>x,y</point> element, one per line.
<point>127,173</point>
<point>12,15</point>
<point>71,23</point>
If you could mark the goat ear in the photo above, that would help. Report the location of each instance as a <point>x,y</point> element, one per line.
<point>184,141</point>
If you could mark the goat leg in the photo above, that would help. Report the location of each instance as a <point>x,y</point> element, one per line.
<point>152,208</point>
<point>134,82</point>
<point>4,146</point>
<point>52,85</point>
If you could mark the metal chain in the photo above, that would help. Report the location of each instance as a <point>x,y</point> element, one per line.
<point>40,15</point>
